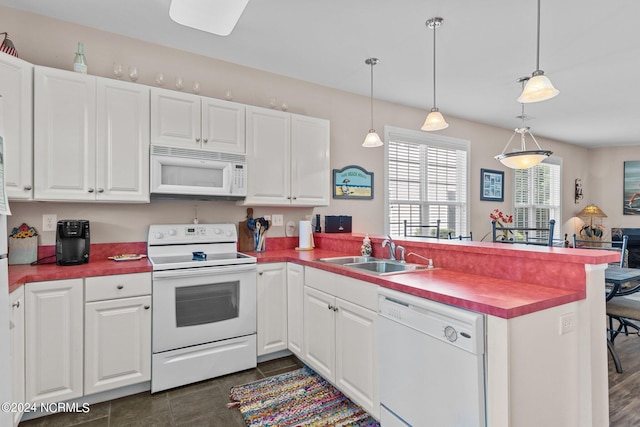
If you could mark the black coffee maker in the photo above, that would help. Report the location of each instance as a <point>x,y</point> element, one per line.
<point>72,242</point>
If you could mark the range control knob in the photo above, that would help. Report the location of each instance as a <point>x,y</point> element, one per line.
<point>450,333</point>
<point>228,233</point>
<point>172,232</point>
<point>217,230</point>
<point>158,235</point>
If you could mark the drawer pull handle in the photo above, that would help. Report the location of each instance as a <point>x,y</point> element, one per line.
<point>120,286</point>
<point>16,304</point>
<point>27,187</point>
<point>147,307</point>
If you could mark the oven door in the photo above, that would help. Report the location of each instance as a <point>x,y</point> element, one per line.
<point>202,305</point>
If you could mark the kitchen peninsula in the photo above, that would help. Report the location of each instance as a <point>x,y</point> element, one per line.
<point>536,373</point>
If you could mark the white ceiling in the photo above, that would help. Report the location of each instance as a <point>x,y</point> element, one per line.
<point>589,49</point>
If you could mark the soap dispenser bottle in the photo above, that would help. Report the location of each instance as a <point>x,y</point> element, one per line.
<point>366,249</point>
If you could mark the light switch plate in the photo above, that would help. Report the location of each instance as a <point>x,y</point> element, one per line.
<point>277,220</point>
<point>49,222</point>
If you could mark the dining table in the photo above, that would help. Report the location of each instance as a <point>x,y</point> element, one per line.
<point>620,281</point>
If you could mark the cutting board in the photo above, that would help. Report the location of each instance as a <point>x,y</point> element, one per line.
<point>245,236</point>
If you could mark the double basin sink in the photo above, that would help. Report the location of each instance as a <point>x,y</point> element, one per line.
<point>373,265</point>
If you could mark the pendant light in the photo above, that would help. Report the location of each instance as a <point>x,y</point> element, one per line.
<point>539,87</point>
<point>435,120</point>
<point>372,139</point>
<point>522,158</point>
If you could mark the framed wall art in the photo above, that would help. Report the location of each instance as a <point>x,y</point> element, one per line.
<point>491,185</point>
<point>631,196</point>
<point>352,182</point>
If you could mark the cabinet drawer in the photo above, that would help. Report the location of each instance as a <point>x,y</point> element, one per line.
<point>117,286</point>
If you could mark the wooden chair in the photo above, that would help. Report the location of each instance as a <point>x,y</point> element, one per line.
<point>419,230</point>
<point>521,234</point>
<point>461,237</point>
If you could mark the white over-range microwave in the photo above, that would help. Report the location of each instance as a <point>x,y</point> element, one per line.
<point>188,173</point>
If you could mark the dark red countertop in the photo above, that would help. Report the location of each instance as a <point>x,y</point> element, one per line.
<point>495,279</point>
<point>497,297</point>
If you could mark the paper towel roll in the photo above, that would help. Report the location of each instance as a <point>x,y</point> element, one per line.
<point>306,235</point>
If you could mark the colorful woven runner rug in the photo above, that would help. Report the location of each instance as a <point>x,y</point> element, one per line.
<point>297,398</point>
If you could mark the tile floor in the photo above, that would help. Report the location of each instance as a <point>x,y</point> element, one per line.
<point>201,404</point>
<point>204,404</point>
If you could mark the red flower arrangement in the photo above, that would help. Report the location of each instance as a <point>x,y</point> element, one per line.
<point>502,219</point>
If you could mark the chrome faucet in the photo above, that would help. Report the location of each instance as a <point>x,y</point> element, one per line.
<point>401,250</point>
<point>392,247</point>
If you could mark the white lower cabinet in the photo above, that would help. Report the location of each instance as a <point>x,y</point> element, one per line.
<point>53,340</point>
<point>117,333</point>
<point>340,334</point>
<point>16,332</point>
<point>84,336</point>
<point>272,308</point>
<point>295,303</point>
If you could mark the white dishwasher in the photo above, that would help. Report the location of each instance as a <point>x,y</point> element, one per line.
<point>431,363</point>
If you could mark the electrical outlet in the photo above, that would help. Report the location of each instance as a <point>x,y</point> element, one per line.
<point>278,220</point>
<point>267,217</point>
<point>49,222</point>
<point>567,323</point>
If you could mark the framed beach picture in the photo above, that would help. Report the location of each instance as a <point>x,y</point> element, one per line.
<point>352,182</point>
<point>631,196</point>
<point>491,185</point>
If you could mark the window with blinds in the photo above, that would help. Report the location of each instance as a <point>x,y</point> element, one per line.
<point>427,180</point>
<point>537,196</point>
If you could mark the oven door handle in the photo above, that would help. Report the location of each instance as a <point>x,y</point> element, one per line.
<point>203,271</point>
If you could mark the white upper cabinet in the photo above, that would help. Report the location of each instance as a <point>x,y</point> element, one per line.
<point>184,120</point>
<point>287,159</point>
<point>16,89</point>
<point>91,138</point>
<point>64,135</point>
<point>122,169</point>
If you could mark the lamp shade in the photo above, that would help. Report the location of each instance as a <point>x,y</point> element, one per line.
<point>372,140</point>
<point>591,211</point>
<point>522,159</point>
<point>538,88</point>
<point>434,121</point>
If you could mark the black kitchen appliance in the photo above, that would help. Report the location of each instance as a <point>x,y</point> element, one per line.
<point>72,242</point>
<point>337,224</point>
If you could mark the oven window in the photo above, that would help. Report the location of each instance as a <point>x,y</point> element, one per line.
<point>192,176</point>
<point>202,304</point>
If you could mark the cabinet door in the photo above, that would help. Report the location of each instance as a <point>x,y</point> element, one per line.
<point>117,343</point>
<point>356,354</point>
<point>319,332</point>
<point>223,127</point>
<point>16,331</point>
<point>175,118</point>
<point>64,135</point>
<point>272,308</point>
<point>268,157</point>
<point>122,170</point>
<point>16,88</point>
<point>295,303</point>
<point>310,173</point>
<point>53,340</point>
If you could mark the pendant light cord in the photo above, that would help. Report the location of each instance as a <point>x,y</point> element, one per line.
<point>434,65</point>
<point>371,98</point>
<point>538,42</point>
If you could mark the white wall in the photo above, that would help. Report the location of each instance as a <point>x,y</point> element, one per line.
<point>49,42</point>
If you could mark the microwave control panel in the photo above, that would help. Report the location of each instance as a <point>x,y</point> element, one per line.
<point>239,185</point>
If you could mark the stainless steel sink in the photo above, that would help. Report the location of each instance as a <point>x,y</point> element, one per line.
<point>381,267</point>
<point>348,259</point>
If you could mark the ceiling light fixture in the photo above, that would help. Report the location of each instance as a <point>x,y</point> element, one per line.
<point>539,87</point>
<point>213,16</point>
<point>523,158</point>
<point>372,139</point>
<point>435,120</point>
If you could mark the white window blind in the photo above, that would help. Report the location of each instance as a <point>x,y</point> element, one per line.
<point>427,180</point>
<point>537,196</point>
